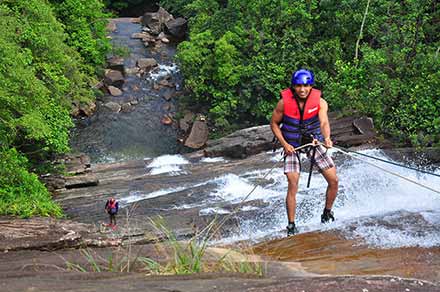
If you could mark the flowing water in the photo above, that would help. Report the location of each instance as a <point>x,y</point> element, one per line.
<point>137,132</point>
<point>378,209</point>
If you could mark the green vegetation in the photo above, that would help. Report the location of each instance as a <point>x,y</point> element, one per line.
<point>240,54</point>
<point>44,68</point>
<point>21,193</point>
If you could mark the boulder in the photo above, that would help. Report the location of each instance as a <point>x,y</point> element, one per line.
<point>113,106</point>
<point>146,64</point>
<point>114,77</point>
<point>186,121</point>
<point>168,95</point>
<point>364,125</point>
<point>53,182</point>
<point>253,140</point>
<point>132,71</point>
<point>116,63</point>
<point>198,136</point>
<point>166,83</point>
<point>242,143</point>
<point>167,120</point>
<point>177,28</point>
<point>48,234</point>
<point>139,35</point>
<point>126,107</point>
<point>156,20</point>
<point>81,181</point>
<point>136,20</point>
<point>76,163</point>
<point>114,91</point>
<point>83,109</point>
<point>166,107</point>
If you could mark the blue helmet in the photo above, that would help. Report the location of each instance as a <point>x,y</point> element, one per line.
<point>303,76</point>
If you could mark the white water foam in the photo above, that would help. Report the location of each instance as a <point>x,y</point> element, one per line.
<point>212,211</point>
<point>234,189</point>
<point>162,71</point>
<point>213,159</point>
<point>135,196</point>
<point>170,164</point>
<point>365,191</point>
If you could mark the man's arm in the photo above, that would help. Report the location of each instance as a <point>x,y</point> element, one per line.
<point>277,117</point>
<point>325,125</point>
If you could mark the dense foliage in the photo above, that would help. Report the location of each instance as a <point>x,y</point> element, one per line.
<point>41,74</point>
<point>240,54</point>
<point>21,193</point>
<point>85,24</point>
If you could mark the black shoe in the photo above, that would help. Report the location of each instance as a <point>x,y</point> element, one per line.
<point>291,229</point>
<point>326,216</point>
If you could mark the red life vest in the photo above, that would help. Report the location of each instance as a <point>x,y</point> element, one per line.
<point>311,106</point>
<point>111,205</point>
<point>298,127</point>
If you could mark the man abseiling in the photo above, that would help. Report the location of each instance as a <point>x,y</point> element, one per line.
<point>302,114</point>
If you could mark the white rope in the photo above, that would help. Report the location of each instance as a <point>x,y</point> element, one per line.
<point>387,171</point>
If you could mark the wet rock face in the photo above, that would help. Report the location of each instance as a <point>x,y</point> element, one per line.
<point>177,28</point>
<point>242,143</point>
<point>46,234</point>
<point>114,77</point>
<point>198,135</point>
<point>246,142</point>
<point>156,20</point>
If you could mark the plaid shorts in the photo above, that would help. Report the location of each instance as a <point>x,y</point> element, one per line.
<point>322,161</point>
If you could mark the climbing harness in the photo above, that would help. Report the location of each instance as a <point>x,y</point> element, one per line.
<point>325,217</point>
<point>223,221</point>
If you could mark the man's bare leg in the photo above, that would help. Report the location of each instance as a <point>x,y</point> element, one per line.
<point>292,189</point>
<point>330,195</point>
<point>332,187</point>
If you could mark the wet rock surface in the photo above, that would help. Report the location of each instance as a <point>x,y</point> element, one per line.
<point>346,132</point>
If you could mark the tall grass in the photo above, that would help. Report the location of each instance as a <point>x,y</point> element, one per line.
<point>172,256</point>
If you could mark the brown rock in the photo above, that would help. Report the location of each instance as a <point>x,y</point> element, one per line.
<point>186,121</point>
<point>76,163</point>
<point>132,71</point>
<point>166,106</point>
<point>146,64</point>
<point>139,35</point>
<point>168,95</point>
<point>80,181</point>
<point>114,91</point>
<point>87,109</point>
<point>113,106</point>
<point>177,28</point>
<point>53,182</point>
<point>166,83</point>
<point>136,20</point>
<point>116,63</point>
<point>166,120</point>
<point>114,77</point>
<point>126,107</point>
<point>198,136</point>
<point>364,125</point>
<point>155,20</point>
